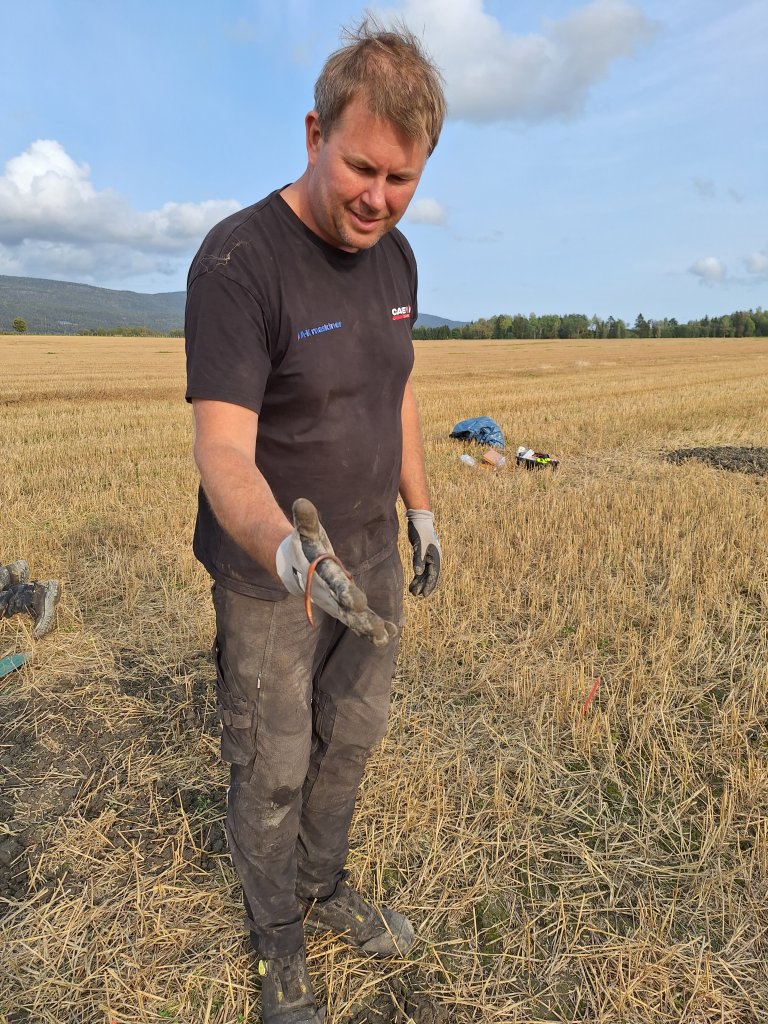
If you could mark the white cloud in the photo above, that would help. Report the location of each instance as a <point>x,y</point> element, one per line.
<point>52,220</point>
<point>101,263</point>
<point>495,75</point>
<point>426,211</point>
<point>709,270</point>
<point>757,263</point>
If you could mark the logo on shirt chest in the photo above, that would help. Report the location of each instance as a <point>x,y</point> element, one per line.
<point>310,332</point>
<point>401,312</point>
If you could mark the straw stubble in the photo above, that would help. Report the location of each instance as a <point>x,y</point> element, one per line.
<point>608,866</point>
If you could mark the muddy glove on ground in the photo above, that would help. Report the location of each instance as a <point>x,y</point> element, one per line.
<point>332,589</point>
<point>426,551</point>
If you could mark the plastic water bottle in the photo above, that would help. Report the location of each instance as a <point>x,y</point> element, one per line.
<point>467,460</point>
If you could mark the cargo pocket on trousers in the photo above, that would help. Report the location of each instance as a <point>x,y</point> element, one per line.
<point>238,722</point>
<point>238,731</point>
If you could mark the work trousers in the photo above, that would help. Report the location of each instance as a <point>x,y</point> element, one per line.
<point>301,709</point>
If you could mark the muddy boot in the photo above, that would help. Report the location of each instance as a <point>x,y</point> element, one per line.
<point>44,603</point>
<point>13,573</point>
<point>286,991</point>
<point>36,599</point>
<point>378,931</point>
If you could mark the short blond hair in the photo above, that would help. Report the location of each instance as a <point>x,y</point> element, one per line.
<point>392,71</point>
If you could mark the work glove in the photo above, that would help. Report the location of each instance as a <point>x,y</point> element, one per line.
<point>426,551</point>
<point>331,587</point>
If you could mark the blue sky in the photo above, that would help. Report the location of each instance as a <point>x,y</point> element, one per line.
<point>601,156</point>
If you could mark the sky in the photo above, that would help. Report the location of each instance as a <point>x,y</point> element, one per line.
<point>600,156</point>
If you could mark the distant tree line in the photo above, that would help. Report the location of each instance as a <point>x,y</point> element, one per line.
<point>132,331</point>
<point>741,324</point>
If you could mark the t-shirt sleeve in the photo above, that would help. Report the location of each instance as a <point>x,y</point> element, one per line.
<point>226,342</point>
<point>407,252</point>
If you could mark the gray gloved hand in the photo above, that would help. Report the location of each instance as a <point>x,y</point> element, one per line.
<point>293,569</point>
<point>331,588</point>
<point>426,551</point>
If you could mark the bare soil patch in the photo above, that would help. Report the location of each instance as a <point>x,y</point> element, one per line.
<point>737,460</point>
<point>398,1002</point>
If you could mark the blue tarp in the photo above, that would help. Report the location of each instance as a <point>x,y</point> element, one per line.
<point>482,429</point>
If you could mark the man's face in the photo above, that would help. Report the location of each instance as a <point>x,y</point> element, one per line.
<point>361,178</point>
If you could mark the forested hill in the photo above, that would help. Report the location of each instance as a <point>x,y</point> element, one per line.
<point>62,307</point>
<point>427,320</point>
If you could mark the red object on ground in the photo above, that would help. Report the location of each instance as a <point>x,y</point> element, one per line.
<point>591,696</point>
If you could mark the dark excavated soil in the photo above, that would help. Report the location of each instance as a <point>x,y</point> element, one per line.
<point>398,1003</point>
<point>737,460</point>
<point>64,770</point>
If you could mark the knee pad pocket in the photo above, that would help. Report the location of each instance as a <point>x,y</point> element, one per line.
<point>360,726</point>
<point>238,721</point>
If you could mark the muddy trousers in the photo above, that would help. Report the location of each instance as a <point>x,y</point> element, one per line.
<point>301,710</point>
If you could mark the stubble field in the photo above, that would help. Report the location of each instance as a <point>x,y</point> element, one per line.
<point>606,866</point>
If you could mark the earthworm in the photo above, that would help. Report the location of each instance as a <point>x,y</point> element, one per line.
<point>310,576</point>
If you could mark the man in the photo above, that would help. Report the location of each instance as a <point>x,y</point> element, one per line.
<point>299,318</point>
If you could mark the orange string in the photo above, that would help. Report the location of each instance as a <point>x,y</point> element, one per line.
<point>591,696</point>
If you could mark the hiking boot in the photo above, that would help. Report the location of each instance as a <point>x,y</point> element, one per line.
<point>36,599</point>
<point>14,572</point>
<point>44,602</point>
<point>286,991</point>
<point>378,931</point>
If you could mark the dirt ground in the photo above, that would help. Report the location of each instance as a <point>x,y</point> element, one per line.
<point>58,760</point>
<point>398,1003</point>
<point>737,460</point>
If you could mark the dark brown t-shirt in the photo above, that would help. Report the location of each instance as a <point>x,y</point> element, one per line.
<point>317,341</point>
